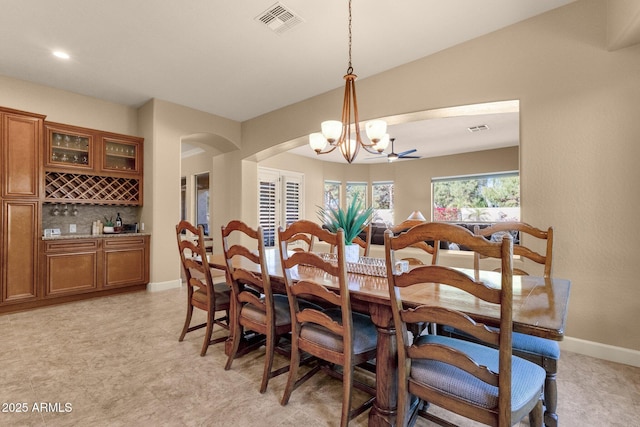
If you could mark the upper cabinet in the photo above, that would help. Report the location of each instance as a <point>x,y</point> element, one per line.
<point>90,166</point>
<point>82,150</point>
<point>69,147</point>
<point>20,153</point>
<point>121,155</point>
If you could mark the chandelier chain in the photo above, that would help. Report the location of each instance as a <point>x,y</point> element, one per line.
<point>350,68</point>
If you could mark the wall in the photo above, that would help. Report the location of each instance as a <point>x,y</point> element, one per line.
<point>164,125</point>
<point>579,133</point>
<point>69,108</point>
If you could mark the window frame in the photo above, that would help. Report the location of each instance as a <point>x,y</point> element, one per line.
<point>479,219</point>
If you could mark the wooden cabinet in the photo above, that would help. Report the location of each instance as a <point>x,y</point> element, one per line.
<point>20,189</point>
<point>89,166</point>
<point>71,266</point>
<point>19,250</point>
<point>69,147</point>
<point>121,155</point>
<point>20,150</point>
<point>126,261</point>
<point>79,268</point>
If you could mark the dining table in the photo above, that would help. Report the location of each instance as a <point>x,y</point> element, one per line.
<point>539,309</point>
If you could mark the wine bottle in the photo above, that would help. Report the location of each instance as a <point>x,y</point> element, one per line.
<point>118,220</point>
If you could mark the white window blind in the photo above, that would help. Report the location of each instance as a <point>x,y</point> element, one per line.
<point>280,201</point>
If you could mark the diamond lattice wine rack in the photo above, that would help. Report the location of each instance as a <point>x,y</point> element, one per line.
<point>81,188</point>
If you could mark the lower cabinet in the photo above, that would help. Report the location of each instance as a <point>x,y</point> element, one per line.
<point>84,266</point>
<point>19,251</point>
<point>126,261</point>
<point>72,266</point>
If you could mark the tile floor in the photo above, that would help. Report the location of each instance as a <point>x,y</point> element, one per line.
<point>116,361</point>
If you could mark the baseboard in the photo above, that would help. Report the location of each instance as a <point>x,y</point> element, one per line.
<point>601,351</point>
<point>163,286</point>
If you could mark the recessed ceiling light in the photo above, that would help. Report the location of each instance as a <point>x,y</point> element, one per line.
<point>60,54</point>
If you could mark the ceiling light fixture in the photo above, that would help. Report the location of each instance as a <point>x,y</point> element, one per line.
<point>60,54</point>
<point>338,134</point>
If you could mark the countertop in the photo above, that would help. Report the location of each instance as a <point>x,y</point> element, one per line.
<point>94,236</point>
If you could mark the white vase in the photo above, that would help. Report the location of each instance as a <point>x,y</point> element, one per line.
<point>352,252</point>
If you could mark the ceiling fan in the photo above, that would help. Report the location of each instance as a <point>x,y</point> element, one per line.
<point>392,156</point>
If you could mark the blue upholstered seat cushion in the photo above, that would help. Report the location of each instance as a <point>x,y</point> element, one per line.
<point>283,313</point>
<point>527,379</point>
<point>536,345</point>
<point>365,335</point>
<point>523,342</point>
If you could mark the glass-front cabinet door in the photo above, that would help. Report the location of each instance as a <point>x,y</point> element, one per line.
<point>121,156</point>
<point>69,148</point>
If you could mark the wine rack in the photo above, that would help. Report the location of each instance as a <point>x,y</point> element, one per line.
<point>83,188</point>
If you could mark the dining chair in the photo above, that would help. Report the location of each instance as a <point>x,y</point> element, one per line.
<point>543,352</point>
<point>254,306</point>
<point>335,335</point>
<point>300,242</point>
<point>488,385</point>
<point>202,293</point>
<point>524,231</point>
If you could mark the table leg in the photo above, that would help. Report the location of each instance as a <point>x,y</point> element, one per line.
<point>383,412</point>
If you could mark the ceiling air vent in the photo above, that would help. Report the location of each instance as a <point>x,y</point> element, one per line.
<point>279,19</point>
<point>478,128</point>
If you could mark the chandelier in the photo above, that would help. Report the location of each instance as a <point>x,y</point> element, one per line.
<point>338,134</point>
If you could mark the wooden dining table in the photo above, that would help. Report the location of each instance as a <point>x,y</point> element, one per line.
<point>539,309</point>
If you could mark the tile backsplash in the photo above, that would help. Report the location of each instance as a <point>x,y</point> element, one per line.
<point>84,216</point>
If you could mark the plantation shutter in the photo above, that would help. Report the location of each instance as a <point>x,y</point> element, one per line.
<point>280,201</point>
<point>268,186</point>
<point>292,205</point>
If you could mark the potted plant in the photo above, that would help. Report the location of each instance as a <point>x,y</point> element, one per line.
<point>108,225</point>
<point>352,221</point>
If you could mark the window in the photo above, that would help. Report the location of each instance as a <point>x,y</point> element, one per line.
<point>202,201</point>
<point>358,191</point>
<point>280,201</point>
<point>332,194</point>
<point>477,198</point>
<point>382,201</point>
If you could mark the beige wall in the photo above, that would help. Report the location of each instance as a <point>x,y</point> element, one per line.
<point>164,126</point>
<point>579,147</point>
<point>66,107</point>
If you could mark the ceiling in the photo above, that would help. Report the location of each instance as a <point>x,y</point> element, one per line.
<point>215,56</point>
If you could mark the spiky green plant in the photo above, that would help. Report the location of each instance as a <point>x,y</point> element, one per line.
<point>352,221</point>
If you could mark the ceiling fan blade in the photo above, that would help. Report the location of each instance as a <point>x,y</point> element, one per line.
<point>404,153</point>
<point>409,157</point>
